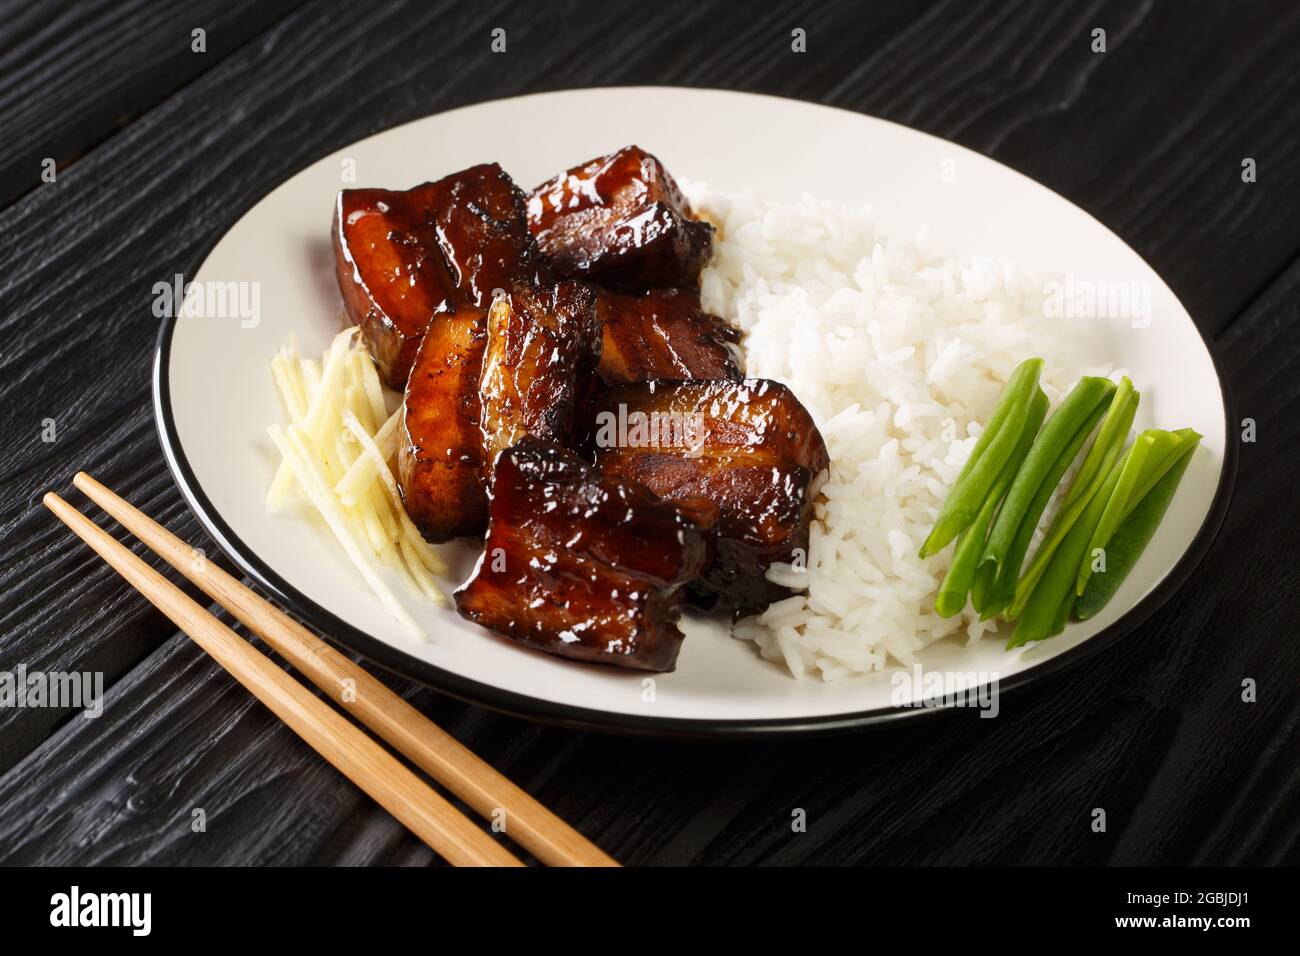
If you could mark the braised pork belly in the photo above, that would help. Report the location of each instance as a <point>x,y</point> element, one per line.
<point>663,333</point>
<point>579,565</point>
<point>567,393</point>
<point>440,453</point>
<point>403,258</point>
<point>541,344</point>
<point>748,447</point>
<point>483,380</point>
<point>390,272</point>
<point>622,221</point>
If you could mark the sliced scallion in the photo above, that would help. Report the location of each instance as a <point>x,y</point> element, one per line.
<point>1132,536</point>
<point>1049,458</point>
<point>991,452</point>
<point>1096,468</point>
<point>1048,607</point>
<point>970,546</point>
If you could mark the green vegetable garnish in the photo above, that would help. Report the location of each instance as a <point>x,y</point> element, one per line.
<point>1111,437</point>
<point>1096,468</point>
<point>1049,458</point>
<point>1113,506</point>
<point>1150,451</point>
<point>1131,539</point>
<point>970,546</point>
<point>1048,606</point>
<point>991,452</point>
<point>1187,438</point>
<point>1141,453</point>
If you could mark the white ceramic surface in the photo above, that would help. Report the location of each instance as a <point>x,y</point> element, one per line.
<point>216,396</point>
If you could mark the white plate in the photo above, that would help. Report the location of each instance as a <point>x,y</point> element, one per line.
<point>214,396</point>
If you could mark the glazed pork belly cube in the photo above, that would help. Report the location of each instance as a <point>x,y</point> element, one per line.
<point>542,349</point>
<point>403,258</point>
<point>440,455</point>
<point>663,334</point>
<point>482,231</point>
<point>582,566</point>
<point>390,272</point>
<point>749,447</point>
<point>619,220</point>
<point>481,381</point>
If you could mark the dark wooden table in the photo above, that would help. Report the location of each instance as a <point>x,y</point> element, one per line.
<point>159,149</point>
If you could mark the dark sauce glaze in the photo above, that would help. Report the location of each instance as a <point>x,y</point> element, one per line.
<point>481,381</point>
<point>619,220</point>
<point>440,460</point>
<point>541,343</point>
<point>404,258</point>
<point>754,456</point>
<point>580,565</point>
<point>392,278</point>
<point>479,221</point>
<point>663,333</point>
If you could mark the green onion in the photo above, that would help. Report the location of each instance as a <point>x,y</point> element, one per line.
<point>1049,458</point>
<point>1152,456</point>
<point>1187,438</point>
<point>982,597</point>
<point>1130,539</point>
<point>1111,437</point>
<point>985,463</point>
<point>1136,460</point>
<point>970,546</point>
<point>1048,607</point>
<point>1096,468</point>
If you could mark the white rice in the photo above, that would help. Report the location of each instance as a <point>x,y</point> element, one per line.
<point>899,354</point>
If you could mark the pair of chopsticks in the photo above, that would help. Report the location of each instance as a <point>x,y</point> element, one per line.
<point>386,779</point>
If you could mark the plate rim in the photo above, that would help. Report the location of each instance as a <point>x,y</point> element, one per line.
<point>339,632</point>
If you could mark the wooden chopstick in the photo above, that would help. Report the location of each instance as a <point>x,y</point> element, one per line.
<point>424,743</point>
<point>372,768</point>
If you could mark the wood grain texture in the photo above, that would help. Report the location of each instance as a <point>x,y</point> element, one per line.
<point>370,703</point>
<point>1148,137</point>
<point>96,65</point>
<point>348,748</point>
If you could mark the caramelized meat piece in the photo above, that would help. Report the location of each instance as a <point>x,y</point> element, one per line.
<point>663,333</point>
<point>541,344</point>
<point>749,447</point>
<point>581,566</point>
<point>402,258</point>
<point>619,220</point>
<point>440,455</point>
<point>390,272</point>
<point>480,382</point>
<point>481,230</point>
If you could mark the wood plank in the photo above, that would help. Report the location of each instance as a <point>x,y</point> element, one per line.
<point>185,726</point>
<point>1151,731</point>
<point>73,75</point>
<point>60,611</point>
<point>196,741</point>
